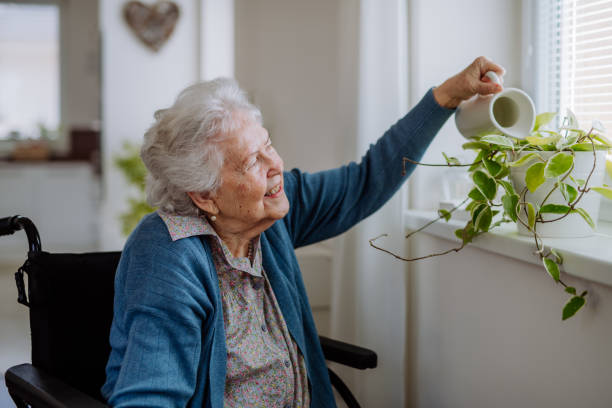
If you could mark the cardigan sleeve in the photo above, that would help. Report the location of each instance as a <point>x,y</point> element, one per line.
<point>157,331</point>
<point>328,203</point>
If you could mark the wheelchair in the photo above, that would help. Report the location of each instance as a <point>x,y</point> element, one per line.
<point>70,300</point>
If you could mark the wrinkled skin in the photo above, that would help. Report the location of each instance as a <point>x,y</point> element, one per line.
<point>467,83</point>
<point>242,204</point>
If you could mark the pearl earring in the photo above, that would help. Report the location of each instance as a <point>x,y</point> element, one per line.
<point>213,218</point>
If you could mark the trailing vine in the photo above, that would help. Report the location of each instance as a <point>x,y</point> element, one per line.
<point>493,199</point>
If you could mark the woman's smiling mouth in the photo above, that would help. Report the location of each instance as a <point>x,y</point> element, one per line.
<point>274,192</point>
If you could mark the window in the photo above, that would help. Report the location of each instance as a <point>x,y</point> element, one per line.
<point>573,51</point>
<point>29,70</point>
<point>572,61</point>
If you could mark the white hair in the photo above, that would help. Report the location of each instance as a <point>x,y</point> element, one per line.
<point>180,149</point>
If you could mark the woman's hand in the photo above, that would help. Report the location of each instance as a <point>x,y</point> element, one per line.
<point>467,83</point>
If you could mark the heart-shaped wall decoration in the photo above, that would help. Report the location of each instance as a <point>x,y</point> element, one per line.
<point>152,24</point>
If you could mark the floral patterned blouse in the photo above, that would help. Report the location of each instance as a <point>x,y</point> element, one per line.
<point>264,366</point>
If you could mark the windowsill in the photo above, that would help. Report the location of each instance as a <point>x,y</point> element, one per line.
<point>588,258</point>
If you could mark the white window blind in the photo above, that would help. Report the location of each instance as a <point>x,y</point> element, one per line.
<point>571,62</point>
<point>573,49</point>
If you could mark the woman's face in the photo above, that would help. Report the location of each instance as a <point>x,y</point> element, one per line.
<point>251,196</point>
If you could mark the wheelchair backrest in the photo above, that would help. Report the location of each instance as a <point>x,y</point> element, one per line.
<point>71,311</point>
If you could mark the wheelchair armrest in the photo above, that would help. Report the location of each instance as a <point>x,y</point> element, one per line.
<point>348,354</point>
<point>36,388</point>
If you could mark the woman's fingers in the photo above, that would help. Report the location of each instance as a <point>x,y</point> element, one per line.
<point>469,82</point>
<point>486,88</point>
<point>485,65</point>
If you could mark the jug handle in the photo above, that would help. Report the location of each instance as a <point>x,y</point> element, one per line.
<point>493,77</point>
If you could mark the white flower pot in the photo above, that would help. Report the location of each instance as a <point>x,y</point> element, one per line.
<point>573,225</point>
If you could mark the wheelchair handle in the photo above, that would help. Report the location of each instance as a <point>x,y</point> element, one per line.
<point>8,226</point>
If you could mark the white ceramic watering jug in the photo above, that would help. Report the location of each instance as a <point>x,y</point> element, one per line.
<point>510,111</point>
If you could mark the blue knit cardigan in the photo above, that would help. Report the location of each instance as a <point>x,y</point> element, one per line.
<point>167,335</point>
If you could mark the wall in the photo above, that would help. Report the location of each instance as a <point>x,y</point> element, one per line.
<point>287,60</point>
<point>80,60</point>
<point>135,83</point>
<point>445,38</point>
<point>488,333</point>
<point>380,280</point>
<point>216,39</point>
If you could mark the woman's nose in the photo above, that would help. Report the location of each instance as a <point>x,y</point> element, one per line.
<point>275,162</point>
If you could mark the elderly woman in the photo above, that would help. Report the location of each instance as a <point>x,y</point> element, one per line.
<point>210,308</point>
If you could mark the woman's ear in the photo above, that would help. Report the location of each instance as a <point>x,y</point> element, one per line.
<point>204,202</point>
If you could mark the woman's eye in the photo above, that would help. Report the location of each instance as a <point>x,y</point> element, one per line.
<point>253,162</point>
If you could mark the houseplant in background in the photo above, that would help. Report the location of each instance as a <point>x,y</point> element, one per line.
<point>135,172</point>
<point>544,183</point>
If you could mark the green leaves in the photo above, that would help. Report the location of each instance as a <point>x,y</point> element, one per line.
<point>579,182</point>
<point>531,215</point>
<point>444,214</point>
<point>588,147</point>
<point>556,166</point>
<point>135,172</point>
<point>451,161</point>
<point>576,302</point>
<point>498,140</point>
<point>542,171</point>
<point>542,141</point>
<point>559,164</point>
<point>510,203</point>
<point>603,140</point>
<point>546,157</point>
<point>543,119</point>
<point>534,177</point>
<point>493,167</point>
<point>467,233</point>
<point>604,191</point>
<point>524,160</point>
<point>485,183</point>
<point>554,209</point>
<point>572,306</point>
<point>569,140</point>
<point>482,218</point>
<point>507,186</point>
<point>558,256</point>
<point>131,165</point>
<point>552,268</point>
<point>568,192</point>
<point>477,163</point>
<point>475,146</point>
<point>476,195</point>
<point>586,216</point>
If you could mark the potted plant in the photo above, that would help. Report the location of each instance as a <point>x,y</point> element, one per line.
<point>135,172</point>
<point>548,184</point>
